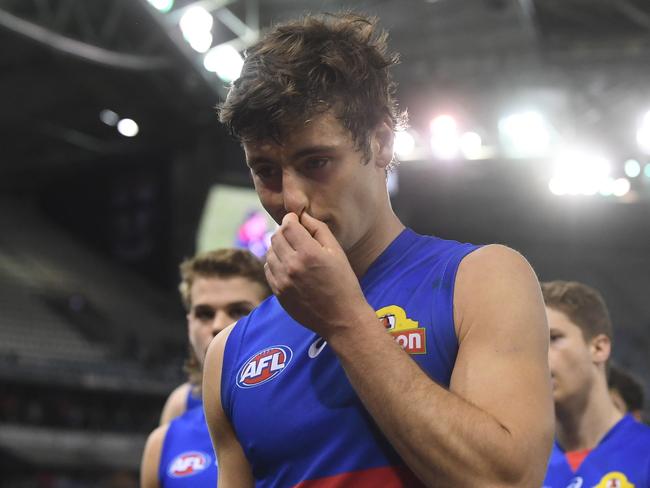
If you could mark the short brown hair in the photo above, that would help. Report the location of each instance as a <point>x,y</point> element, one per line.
<point>307,66</point>
<point>221,263</point>
<point>583,304</point>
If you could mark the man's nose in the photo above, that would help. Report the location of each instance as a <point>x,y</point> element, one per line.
<point>221,321</point>
<point>294,193</point>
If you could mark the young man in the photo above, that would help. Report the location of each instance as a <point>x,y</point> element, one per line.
<point>595,444</point>
<point>385,358</point>
<point>626,391</point>
<point>217,288</point>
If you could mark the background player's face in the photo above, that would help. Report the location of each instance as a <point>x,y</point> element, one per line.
<point>217,303</point>
<point>318,169</point>
<point>570,359</point>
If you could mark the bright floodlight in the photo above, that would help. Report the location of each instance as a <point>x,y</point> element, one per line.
<point>471,145</point>
<point>404,144</point>
<point>643,137</point>
<point>632,168</point>
<point>225,61</point>
<point>196,24</point>
<point>525,134</point>
<point>109,117</point>
<point>621,187</point>
<point>163,5</point>
<point>128,128</point>
<point>445,141</point>
<point>579,173</point>
<point>646,170</point>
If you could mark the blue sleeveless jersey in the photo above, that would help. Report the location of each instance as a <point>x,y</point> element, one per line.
<point>621,460</point>
<point>187,458</point>
<point>298,419</point>
<point>193,400</point>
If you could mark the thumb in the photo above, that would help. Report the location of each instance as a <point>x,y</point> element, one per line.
<point>318,230</point>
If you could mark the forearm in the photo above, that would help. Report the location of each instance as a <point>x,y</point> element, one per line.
<point>444,439</point>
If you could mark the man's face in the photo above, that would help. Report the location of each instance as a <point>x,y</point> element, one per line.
<point>318,169</point>
<point>570,359</point>
<point>217,303</point>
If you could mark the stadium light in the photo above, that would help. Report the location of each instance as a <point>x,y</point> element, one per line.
<point>404,144</point>
<point>196,25</point>
<point>128,128</point>
<point>163,5</point>
<point>580,173</point>
<point>445,141</point>
<point>525,134</point>
<point>225,61</point>
<point>621,187</point>
<point>471,145</point>
<point>109,117</point>
<point>632,168</point>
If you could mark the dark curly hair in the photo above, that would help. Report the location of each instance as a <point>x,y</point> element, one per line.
<point>307,66</point>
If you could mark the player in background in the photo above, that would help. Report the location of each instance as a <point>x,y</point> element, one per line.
<point>596,445</point>
<point>217,288</point>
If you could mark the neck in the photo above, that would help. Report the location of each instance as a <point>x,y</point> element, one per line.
<point>364,252</point>
<point>583,423</point>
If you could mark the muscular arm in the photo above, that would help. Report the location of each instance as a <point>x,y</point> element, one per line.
<point>234,470</point>
<point>494,425</point>
<point>151,458</point>
<point>175,404</point>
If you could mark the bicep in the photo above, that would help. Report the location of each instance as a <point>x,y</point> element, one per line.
<point>502,363</point>
<point>151,458</point>
<point>234,469</point>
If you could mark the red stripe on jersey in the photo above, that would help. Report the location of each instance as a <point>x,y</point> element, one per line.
<point>386,477</point>
<point>575,458</point>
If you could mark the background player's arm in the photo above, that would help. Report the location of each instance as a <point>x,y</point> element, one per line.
<point>151,458</point>
<point>494,427</point>
<point>176,404</point>
<point>234,469</point>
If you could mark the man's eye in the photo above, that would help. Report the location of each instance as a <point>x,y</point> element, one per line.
<point>204,314</point>
<point>264,172</point>
<point>239,312</point>
<point>316,163</point>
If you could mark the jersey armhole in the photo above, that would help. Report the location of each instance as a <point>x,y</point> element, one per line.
<point>442,309</point>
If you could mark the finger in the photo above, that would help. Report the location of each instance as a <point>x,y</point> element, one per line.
<point>295,233</point>
<point>318,230</point>
<point>281,247</point>
<point>270,277</point>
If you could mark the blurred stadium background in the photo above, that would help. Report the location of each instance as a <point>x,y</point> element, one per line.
<point>530,126</point>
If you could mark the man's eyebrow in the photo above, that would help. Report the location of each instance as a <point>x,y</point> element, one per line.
<point>311,150</point>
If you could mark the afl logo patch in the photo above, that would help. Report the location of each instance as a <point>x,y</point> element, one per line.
<point>188,464</point>
<point>263,366</point>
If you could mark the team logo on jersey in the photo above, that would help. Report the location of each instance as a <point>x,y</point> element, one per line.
<point>405,331</point>
<point>576,482</point>
<point>188,464</point>
<point>263,366</point>
<point>615,479</point>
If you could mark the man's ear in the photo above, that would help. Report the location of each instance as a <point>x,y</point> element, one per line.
<point>382,143</point>
<point>601,348</point>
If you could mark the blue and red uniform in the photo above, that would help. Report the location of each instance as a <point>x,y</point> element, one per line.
<point>187,458</point>
<point>298,419</point>
<point>620,460</point>
<point>193,400</point>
